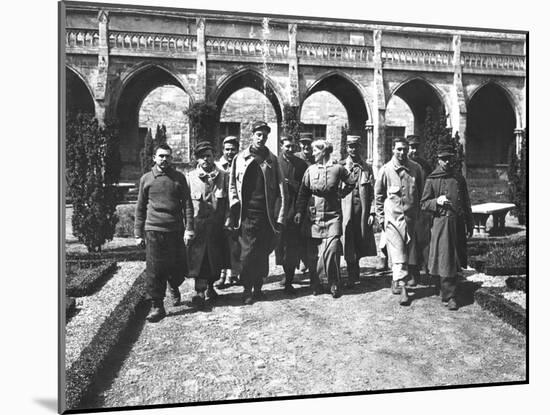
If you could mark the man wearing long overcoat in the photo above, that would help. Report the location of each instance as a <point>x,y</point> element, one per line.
<point>291,247</point>
<point>207,252</point>
<point>258,203</point>
<point>358,210</point>
<point>446,198</point>
<point>424,221</point>
<point>397,194</point>
<point>230,276</point>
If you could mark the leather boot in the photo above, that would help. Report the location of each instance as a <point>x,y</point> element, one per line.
<point>157,312</point>
<point>211,293</point>
<point>404,297</point>
<point>452,305</point>
<point>335,290</point>
<point>199,299</point>
<point>175,296</point>
<point>395,287</point>
<point>247,296</point>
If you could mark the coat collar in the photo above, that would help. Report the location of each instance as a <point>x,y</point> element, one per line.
<point>158,172</point>
<point>397,166</point>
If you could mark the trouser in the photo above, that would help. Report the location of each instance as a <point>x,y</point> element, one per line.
<point>324,260</point>
<point>256,240</point>
<point>164,254</point>
<point>353,269</point>
<point>447,285</point>
<point>206,277</point>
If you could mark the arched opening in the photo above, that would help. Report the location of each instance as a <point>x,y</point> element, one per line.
<point>400,122</point>
<point>240,110</point>
<point>490,128</point>
<point>78,98</point>
<point>244,98</point>
<point>323,115</point>
<point>350,98</point>
<point>131,100</point>
<point>415,97</point>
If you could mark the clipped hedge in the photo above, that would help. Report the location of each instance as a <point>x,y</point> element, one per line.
<point>491,299</point>
<point>80,377</point>
<point>517,283</point>
<point>130,253</point>
<point>89,277</point>
<point>506,257</point>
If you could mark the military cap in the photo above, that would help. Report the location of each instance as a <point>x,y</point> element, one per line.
<point>445,150</point>
<point>260,125</point>
<point>306,137</point>
<point>352,140</point>
<point>231,139</point>
<point>202,147</point>
<point>413,139</point>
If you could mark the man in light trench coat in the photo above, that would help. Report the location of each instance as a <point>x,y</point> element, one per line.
<point>397,194</point>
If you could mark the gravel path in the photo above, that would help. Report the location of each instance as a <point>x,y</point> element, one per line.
<point>312,345</point>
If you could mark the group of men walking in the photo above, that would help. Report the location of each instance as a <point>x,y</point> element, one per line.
<point>220,222</point>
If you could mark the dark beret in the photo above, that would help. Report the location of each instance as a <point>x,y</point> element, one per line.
<point>202,147</point>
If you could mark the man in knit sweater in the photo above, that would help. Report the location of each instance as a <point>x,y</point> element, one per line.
<point>164,215</point>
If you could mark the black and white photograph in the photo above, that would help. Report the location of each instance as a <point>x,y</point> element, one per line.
<point>270,206</point>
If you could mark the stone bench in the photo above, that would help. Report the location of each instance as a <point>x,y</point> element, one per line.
<point>482,212</point>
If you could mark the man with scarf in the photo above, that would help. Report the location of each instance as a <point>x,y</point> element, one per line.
<point>207,252</point>
<point>230,276</point>
<point>446,198</point>
<point>357,210</point>
<point>257,202</point>
<point>291,247</point>
<point>397,195</point>
<point>163,211</point>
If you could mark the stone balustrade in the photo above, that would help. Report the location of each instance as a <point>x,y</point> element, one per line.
<point>424,57</point>
<point>335,52</point>
<point>155,42</point>
<point>492,61</point>
<point>246,47</point>
<point>81,38</point>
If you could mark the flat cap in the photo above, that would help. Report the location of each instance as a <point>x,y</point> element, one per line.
<point>202,147</point>
<point>445,150</point>
<point>260,125</point>
<point>413,139</point>
<point>306,137</point>
<point>352,139</point>
<point>231,139</point>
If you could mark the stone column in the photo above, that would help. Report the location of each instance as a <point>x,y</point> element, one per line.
<point>458,110</point>
<point>519,133</point>
<point>294,86</point>
<point>369,127</point>
<point>200,87</point>
<point>379,107</point>
<point>100,87</point>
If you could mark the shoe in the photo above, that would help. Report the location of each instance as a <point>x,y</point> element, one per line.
<point>452,305</point>
<point>350,283</point>
<point>211,293</point>
<point>221,283</point>
<point>335,291</point>
<point>289,289</point>
<point>175,296</point>
<point>404,297</point>
<point>317,289</point>
<point>258,295</point>
<point>248,299</point>
<point>157,312</point>
<point>411,282</point>
<point>395,289</point>
<point>198,299</point>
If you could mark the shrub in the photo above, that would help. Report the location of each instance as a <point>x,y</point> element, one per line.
<point>517,180</point>
<point>147,152</point>
<point>92,168</point>
<point>203,120</point>
<point>126,218</point>
<point>291,122</point>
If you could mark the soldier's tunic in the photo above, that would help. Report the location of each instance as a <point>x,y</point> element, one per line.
<point>397,195</point>
<point>355,216</point>
<point>320,202</point>
<point>207,252</point>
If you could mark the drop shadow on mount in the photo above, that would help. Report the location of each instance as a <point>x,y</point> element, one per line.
<point>112,365</point>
